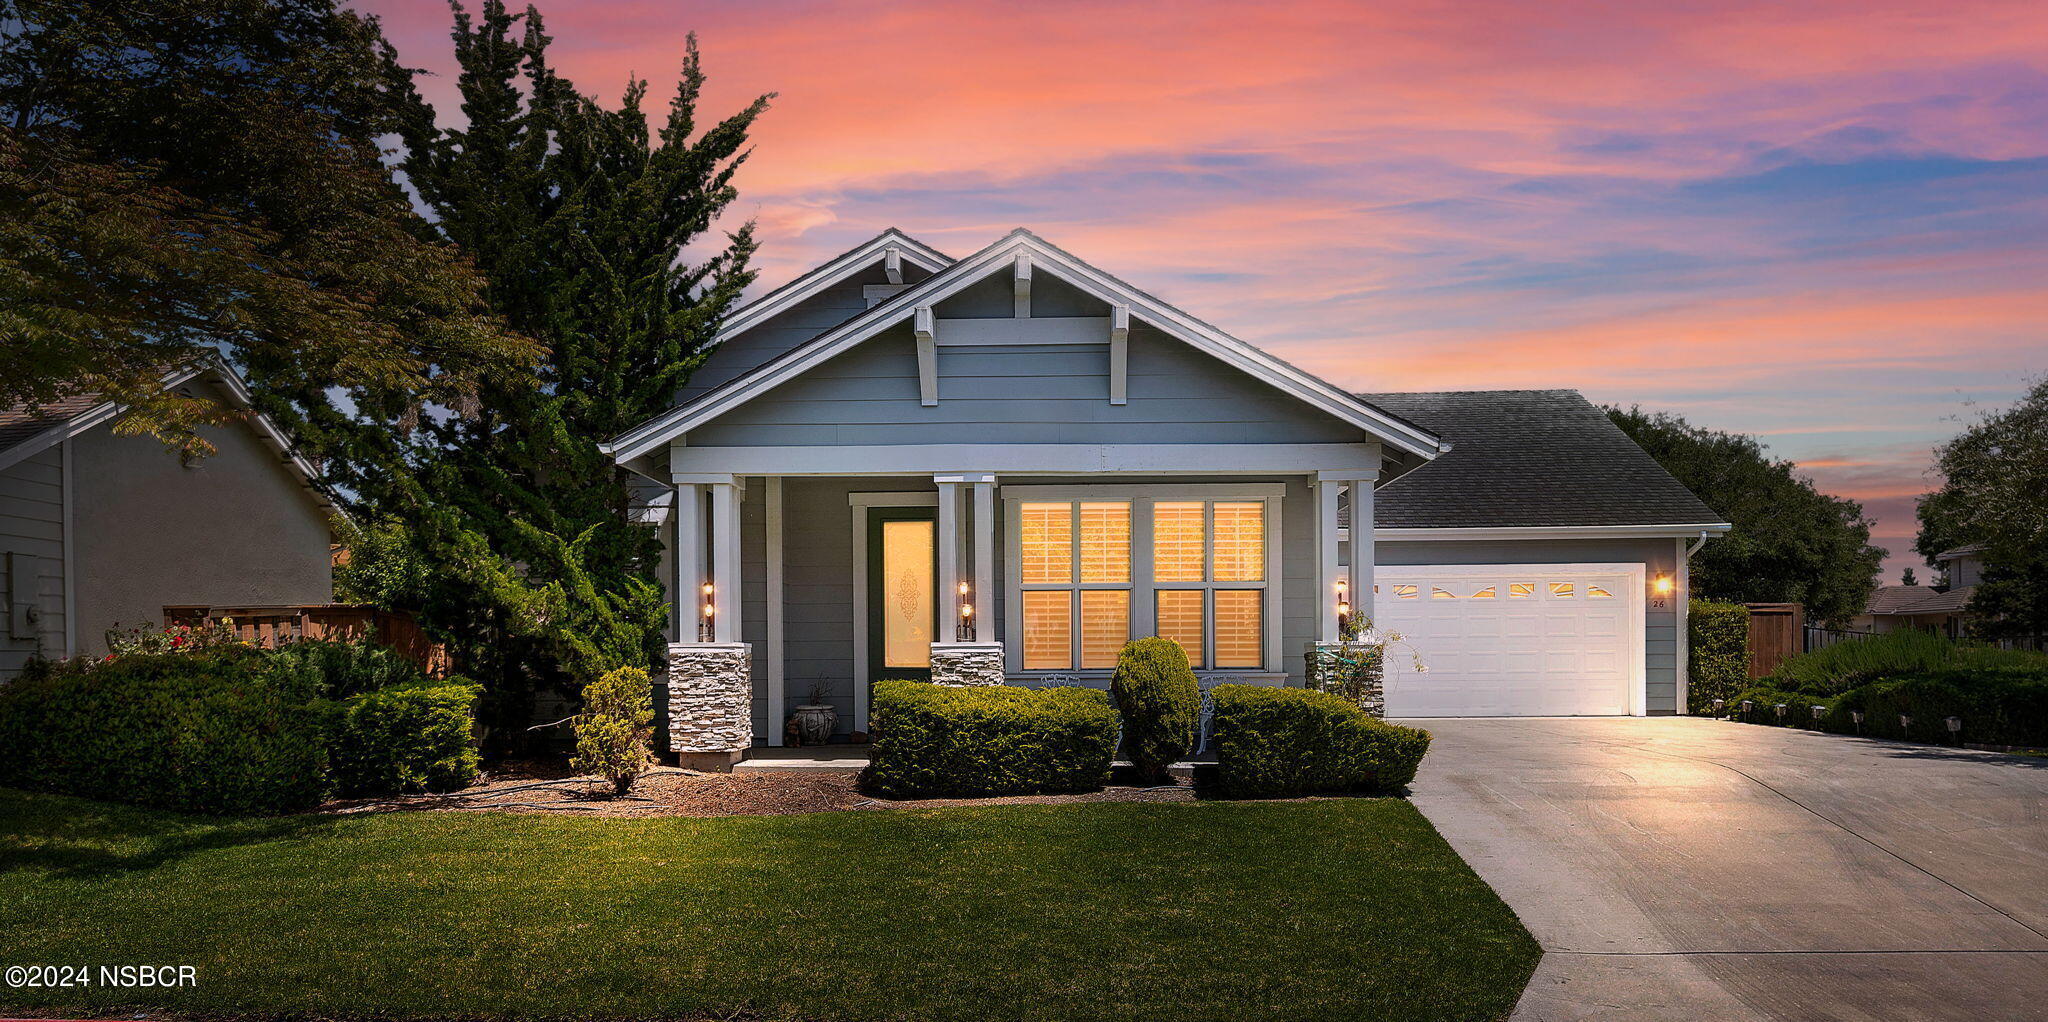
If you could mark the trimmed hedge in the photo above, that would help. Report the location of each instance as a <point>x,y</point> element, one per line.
<point>406,738</point>
<point>211,731</point>
<point>936,740</point>
<point>1997,707</point>
<point>340,669</point>
<point>1292,741</point>
<point>1717,657</point>
<point>1160,700</point>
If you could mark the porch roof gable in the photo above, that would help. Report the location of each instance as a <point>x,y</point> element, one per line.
<point>656,433</point>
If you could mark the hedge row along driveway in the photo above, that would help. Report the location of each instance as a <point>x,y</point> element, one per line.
<point>1338,908</point>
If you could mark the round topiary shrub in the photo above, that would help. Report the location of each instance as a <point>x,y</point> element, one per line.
<point>1156,692</point>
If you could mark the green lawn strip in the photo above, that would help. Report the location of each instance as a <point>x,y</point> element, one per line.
<point>1214,910</point>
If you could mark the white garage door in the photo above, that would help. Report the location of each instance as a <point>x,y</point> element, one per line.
<point>1507,640</point>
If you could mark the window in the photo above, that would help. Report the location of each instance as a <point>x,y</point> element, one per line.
<point>1440,593</point>
<point>1091,573</point>
<point>1061,582</point>
<point>1484,594</point>
<point>1404,591</point>
<point>1561,590</point>
<point>1521,590</point>
<point>1597,593</point>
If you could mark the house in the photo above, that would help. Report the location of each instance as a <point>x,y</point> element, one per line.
<point>1935,608</point>
<point>98,529</point>
<point>1002,467</point>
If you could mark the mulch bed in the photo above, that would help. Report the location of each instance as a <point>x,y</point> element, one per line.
<point>667,791</point>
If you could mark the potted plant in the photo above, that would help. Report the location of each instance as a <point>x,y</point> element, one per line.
<point>816,720</point>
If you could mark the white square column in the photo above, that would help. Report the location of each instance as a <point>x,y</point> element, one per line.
<point>725,560</point>
<point>1361,559</point>
<point>1328,567</point>
<point>688,556</point>
<point>985,558</point>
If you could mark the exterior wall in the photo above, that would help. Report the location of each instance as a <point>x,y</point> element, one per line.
<point>817,314</point>
<point>1023,394</point>
<point>32,522</point>
<point>234,529</point>
<point>1660,640</point>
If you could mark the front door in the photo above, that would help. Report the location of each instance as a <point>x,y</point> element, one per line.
<point>903,605</point>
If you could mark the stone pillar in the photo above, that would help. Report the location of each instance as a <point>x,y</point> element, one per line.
<point>710,703</point>
<point>1343,658</point>
<point>967,663</point>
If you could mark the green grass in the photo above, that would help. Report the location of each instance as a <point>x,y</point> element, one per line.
<point>1345,908</point>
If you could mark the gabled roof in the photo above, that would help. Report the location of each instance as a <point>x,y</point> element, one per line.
<point>657,432</point>
<point>1531,459</point>
<point>24,435</point>
<point>831,272</point>
<point>1966,550</point>
<point>1908,600</point>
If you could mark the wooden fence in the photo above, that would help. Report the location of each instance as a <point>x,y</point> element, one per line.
<point>273,626</point>
<point>1775,632</point>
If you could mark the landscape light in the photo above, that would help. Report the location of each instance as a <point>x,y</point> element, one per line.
<point>1955,725</point>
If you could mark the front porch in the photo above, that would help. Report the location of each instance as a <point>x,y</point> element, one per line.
<point>799,590</point>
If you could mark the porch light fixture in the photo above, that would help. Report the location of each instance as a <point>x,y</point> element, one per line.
<point>710,607</point>
<point>965,631</point>
<point>1343,601</point>
<point>1663,584</point>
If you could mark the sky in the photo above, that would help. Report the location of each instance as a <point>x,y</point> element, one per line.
<point>1822,223</point>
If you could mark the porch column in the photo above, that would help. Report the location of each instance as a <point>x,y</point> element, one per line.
<point>1328,568</point>
<point>985,558</point>
<point>1360,568</point>
<point>725,560</point>
<point>689,559</point>
<point>948,540</point>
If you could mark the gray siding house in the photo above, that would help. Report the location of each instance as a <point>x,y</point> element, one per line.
<point>98,529</point>
<point>1002,467</point>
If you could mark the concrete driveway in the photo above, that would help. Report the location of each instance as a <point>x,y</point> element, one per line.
<point>1677,868</point>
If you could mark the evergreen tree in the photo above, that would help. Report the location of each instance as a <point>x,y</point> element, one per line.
<point>1791,543</point>
<point>1908,578</point>
<point>579,218</point>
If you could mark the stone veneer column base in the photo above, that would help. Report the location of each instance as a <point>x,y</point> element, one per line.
<point>1374,701</point>
<point>710,703</point>
<point>967,663</point>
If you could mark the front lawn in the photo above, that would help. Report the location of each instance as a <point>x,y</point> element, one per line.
<point>1342,908</point>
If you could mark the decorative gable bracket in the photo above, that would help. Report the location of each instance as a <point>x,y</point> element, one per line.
<point>927,356</point>
<point>1119,351</point>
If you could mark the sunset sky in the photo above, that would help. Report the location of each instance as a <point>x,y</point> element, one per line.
<point>1823,223</point>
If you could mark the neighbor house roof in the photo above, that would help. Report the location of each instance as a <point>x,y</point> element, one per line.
<point>1530,459</point>
<point>1966,550</point>
<point>25,433</point>
<point>1910,600</point>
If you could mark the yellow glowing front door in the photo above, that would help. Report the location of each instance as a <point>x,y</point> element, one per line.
<point>902,592</point>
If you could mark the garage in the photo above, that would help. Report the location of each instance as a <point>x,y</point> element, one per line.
<point>1511,640</point>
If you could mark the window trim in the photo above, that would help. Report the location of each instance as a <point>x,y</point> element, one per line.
<point>1142,586</point>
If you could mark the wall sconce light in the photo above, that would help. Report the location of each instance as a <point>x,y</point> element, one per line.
<point>1343,602</point>
<point>1662,585</point>
<point>704,616</point>
<point>965,631</point>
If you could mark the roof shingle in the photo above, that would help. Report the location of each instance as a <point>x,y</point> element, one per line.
<point>18,424</point>
<point>1527,458</point>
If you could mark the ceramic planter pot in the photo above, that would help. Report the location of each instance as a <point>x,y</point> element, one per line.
<point>814,723</point>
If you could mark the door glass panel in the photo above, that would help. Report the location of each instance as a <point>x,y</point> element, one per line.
<point>1177,541</point>
<point>1047,535</point>
<point>1179,615</point>
<point>1048,630</point>
<point>1105,544</point>
<point>1105,625</point>
<point>907,593</point>
<point>1240,541</point>
<point>1239,616</point>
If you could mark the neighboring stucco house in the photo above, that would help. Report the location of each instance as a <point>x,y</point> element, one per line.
<point>1005,466</point>
<point>1935,608</point>
<point>98,529</point>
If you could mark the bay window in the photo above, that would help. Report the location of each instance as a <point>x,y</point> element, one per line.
<point>1093,567</point>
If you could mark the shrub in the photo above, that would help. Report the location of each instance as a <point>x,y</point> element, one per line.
<point>1905,653</point>
<point>210,731</point>
<point>340,669</point>
<point>613,731</point>
<point>935,740</point>
<point>1290,741</point>
<point>1998,706</point>
<point>407,738</point>
<point>1717,659</point>
<point>1160,701</point>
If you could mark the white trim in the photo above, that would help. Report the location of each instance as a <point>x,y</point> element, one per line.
<point>1327,567</point>
<point>1554,532</point>
<point>1141,585</point>
<point>1637,600</point>
<point>924,330</point>
<point>1022,272</point>
<point>773,666</point>
<point>1043,459</point>
<point>68,511</point>
<point>1361,548</point>
<point>946,534</point>
<point>211,366</point>
<point>687,557</point>
<point>859,505</point>
<point>989,333</point>
<point>1317,393</point>
<point>788,296</point>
